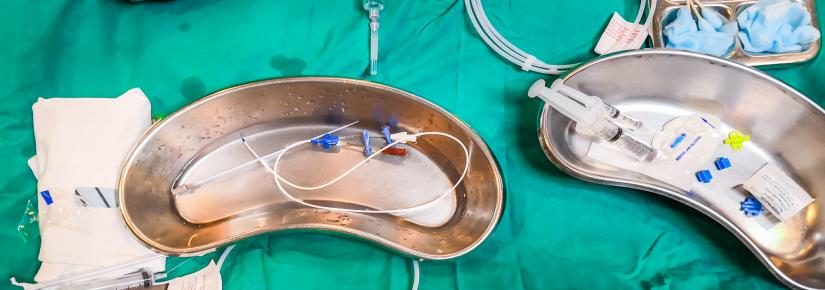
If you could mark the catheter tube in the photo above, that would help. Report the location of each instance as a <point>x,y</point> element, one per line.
<point>279,179</point>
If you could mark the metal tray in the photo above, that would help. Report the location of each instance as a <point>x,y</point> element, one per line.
<point>204,138</point>
<point>666,12</point>
<point>786,128</point>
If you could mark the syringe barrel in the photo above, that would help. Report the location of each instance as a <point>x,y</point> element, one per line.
<point>636,148</point>
<point>620,118</point>
<point>597,104</point>
<point>600,127</point>
<point>613,134</point>
<point>138,280</point>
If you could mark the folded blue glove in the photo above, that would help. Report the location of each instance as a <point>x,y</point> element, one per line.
<point>712,34</point>
<point>776,26</point>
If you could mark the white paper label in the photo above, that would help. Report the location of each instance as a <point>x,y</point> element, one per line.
<point>777,192</point>
<point>208,278</point>
<point>621,35</point>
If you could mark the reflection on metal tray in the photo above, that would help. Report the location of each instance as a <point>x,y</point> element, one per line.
<point>666,12</point>
<point>203,139</point>
<point>786,130</point>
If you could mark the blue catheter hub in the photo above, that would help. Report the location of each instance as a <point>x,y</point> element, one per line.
<point>326,141</point>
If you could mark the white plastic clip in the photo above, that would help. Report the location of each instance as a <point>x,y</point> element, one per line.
<point>403,137</point>
<point>528,62</point>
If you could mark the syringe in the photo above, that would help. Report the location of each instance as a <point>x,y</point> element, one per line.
<point>595,104</point>
<point>139,280</point>
<point>81,279</point>
<point>593,122</point>
<point>373,8</point>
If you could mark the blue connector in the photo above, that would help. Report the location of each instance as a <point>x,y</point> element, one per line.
<point>751,206</point>
<point>367,148</point>
<point>386,131</point>
<point>704,176</point>
<point>326,141</point>
<point>722,163</point>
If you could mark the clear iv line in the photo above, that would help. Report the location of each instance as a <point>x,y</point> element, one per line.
<point>190,187</point>
<point>415,274</point>
<point>279,179</point>
<point>510,52</point>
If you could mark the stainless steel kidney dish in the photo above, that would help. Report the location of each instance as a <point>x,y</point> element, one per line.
<point>203,139</point>
<point>786,128</point>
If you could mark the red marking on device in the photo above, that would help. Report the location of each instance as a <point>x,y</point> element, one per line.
<point>396,151</point>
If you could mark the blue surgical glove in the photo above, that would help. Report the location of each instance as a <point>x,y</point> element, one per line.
<point>712,34</point>
<point>776,26</point>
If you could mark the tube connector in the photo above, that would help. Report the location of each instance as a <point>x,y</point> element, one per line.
<point>326,141</point>
<point>385,130</point>
<point>374,15</point>
<point>366,137</point>
<point>403,137</point>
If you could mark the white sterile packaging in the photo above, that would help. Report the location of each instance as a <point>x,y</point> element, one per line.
<point>778,192</point>
<point>684,145</point>
<point>81,142</point>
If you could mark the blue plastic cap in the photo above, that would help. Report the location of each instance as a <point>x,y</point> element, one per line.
<point>47,197</point>
<point>326,141</point>
<point>704,176</point>
<point>367,148</point>
<point>722,163</point>
<point>386,131</point>
<point>751,206</point>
